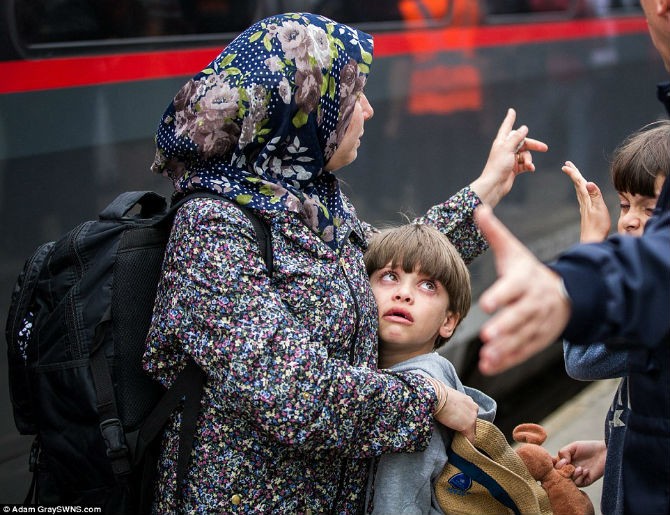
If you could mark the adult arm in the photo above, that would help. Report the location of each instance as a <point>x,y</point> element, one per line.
<point>453,218</point>
<point>594,361</point>
<point>266,365</point>
<point>628,297</point>
<point>510,155</point>
<point>617,289</point>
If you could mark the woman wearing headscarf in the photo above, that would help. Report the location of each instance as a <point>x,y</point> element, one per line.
<point>294,406</point>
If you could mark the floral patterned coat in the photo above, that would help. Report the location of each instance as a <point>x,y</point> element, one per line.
<point>293,406</point>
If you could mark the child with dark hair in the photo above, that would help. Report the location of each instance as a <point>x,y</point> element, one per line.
<point>639,168</point>
<point>422,289</point>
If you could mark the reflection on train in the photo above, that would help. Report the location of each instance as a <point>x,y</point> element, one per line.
<point>83,83</point>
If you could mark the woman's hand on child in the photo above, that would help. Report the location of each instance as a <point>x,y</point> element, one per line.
<point>588,458</point>
<point>510,155</point>
<point>596,222</point>
<point>459,413</point>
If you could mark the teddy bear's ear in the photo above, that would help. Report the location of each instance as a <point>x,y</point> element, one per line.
<point>529,433</point>
<point>567,470</point>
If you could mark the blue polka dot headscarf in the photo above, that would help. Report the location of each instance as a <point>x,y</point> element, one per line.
<point>259,123</point>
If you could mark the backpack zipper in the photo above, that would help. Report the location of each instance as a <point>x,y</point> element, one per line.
<point>22,295</point>
<point>71,319</point>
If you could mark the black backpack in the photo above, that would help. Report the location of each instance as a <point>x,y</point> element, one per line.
<point>76,329</point>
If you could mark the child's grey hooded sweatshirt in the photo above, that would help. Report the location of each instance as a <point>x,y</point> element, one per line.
<point>403,483</point>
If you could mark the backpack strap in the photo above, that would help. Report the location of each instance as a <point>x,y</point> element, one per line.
<point>23,297</point>
<point>190,382</point>
<point>31,496</point>
<point>187,390</point>
<point>192,373</point>
<point>263,234</point>
<point>110,422</point>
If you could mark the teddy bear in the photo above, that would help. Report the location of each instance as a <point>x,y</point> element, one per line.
<point>564,496</point>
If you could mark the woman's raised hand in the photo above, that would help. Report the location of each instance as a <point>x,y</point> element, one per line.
<point>510,155</point>
<point>595,222</point>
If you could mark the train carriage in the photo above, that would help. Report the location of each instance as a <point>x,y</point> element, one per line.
<point>83,84</point>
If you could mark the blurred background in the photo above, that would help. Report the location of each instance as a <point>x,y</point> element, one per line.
<point>83,84</point>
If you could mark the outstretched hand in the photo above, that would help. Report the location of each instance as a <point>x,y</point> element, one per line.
<point>510,155</point>
<point>595,218</point>
<point>528,299</point>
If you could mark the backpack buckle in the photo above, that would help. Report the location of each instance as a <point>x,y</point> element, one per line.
<point>34,454</point>
<point>114,437</point>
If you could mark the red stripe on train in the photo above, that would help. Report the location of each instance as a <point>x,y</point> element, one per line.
<point>43,74</point>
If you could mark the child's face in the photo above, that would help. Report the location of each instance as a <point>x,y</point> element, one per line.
<point>413,310</point>
<point>636,210</point>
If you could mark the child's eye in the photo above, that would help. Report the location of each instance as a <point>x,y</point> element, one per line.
<point>389,275</point>
<point>428,285</point>
<point>649,210</point>
<point>624,207</point>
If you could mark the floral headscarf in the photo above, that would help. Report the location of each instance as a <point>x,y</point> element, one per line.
<point>259,123</point>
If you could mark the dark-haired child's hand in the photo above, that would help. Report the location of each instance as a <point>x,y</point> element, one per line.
<point>595,217</point>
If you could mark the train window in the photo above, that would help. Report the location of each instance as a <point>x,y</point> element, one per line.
<point>361,12</point>
<point>41,22</point>
<point>51,24</point>
<point>412,14</point>
<point>561,7</point>
<point>526,6</point>
<point>65,21</point>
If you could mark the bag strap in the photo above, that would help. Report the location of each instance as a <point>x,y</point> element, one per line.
<point>492,451</point>
<point>189,384</point>
<point>33,467</point>
<point>481,477</point>
<point>188,387</point>
<point>110,422</point>
<point>263,234</point>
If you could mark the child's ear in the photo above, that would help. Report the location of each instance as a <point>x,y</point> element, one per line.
<point>449,325</point>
